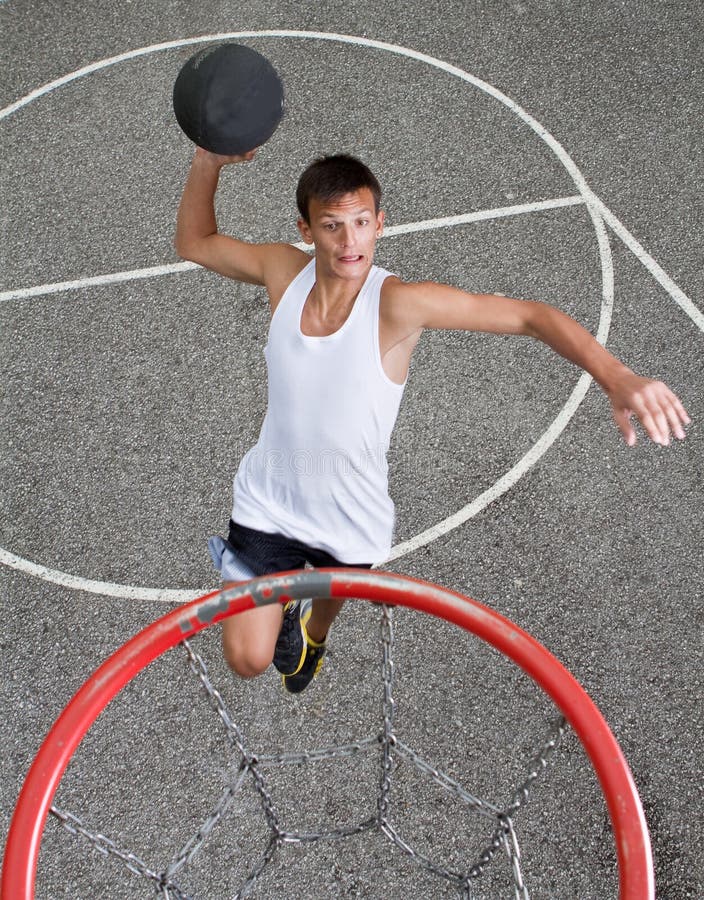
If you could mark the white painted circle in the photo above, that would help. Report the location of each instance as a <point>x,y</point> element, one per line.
<point>545,441</point>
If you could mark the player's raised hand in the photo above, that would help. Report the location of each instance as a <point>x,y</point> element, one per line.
<point>218,160</point>
<point>656,407</point>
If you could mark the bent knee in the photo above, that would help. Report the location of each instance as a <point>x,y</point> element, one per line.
<point>247,662</point>
<point>249,639</point>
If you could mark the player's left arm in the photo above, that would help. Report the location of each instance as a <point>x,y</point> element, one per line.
<point>431,305</point>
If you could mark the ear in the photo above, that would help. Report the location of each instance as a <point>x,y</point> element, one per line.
<point>304,229</point>
<point>380,223</point>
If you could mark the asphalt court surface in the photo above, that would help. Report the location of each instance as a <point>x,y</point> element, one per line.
<point>127,403</point>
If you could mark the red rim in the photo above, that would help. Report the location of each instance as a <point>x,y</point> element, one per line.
<point>636,880</point>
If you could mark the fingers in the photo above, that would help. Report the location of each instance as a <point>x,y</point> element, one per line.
<point>677,417</point>
<point>220,160</point>
<point>656,426</point>
<point>622,417</point>
<point>659,411</point>
<point>244,157</point>
<point>663,414</point>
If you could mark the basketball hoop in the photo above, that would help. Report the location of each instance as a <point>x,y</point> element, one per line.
<point>628,822</point>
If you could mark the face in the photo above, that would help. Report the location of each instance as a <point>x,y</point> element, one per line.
<point>344,232</point>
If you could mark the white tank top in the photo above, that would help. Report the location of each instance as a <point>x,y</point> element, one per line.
<point>318,472</point>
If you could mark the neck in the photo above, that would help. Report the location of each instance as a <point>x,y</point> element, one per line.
<point>331,294</point>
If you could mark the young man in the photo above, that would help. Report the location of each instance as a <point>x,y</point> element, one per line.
<point>314,488</point>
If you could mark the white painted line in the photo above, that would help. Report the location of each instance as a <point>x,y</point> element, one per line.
<point>559,151</point>
<point>483,215</point>
<point>596,209</point>
<point>167,595</point>
<point>505,483</point>
<point>42,290</point>
<point>106,588</point>
<point>658,273</point>
<point>549,436</point>
<point>661,276</point>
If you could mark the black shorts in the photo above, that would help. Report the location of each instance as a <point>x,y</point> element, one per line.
<point>266,553</point>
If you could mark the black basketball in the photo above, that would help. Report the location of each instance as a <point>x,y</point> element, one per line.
<point>228,99</point>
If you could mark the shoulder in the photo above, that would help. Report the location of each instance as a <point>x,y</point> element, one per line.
<point>403,301</point>
<point>284,262</point>
<point>287,258</point>
<point>395,291</point>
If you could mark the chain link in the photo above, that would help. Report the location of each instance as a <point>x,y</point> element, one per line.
<point>109,848</point>
<point>482,807</point>
<point>389,747</point>
<point>301,837</point>
<point>339,752</point>
<point>199,668</point>
<point>388,707</point>
<point>193,846</point>
<point>538,765</point>
<point>457,878</point>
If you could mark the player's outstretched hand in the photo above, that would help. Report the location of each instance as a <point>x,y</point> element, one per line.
<point>659,410</point>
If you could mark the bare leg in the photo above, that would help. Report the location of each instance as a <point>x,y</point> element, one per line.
<point>249,639</point>
<point>325,610</point>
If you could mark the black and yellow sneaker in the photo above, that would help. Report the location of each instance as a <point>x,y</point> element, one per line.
<point>299,681</point>
<point>290,651</point>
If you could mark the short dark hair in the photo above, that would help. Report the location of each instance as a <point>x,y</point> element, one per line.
<point>330,177</point>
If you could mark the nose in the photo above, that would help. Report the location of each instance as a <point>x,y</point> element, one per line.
<point>345,235</point>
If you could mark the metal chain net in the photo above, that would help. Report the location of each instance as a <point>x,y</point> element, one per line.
<point>387,745</point>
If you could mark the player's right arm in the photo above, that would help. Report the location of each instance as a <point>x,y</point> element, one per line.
<point>198,240</point>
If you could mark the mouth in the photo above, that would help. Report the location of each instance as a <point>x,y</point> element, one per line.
<point>351,258</point>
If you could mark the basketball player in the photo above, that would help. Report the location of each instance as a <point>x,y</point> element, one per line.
<point>314,488</point>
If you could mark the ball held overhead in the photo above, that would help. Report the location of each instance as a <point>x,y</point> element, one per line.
<point>228,99</point>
